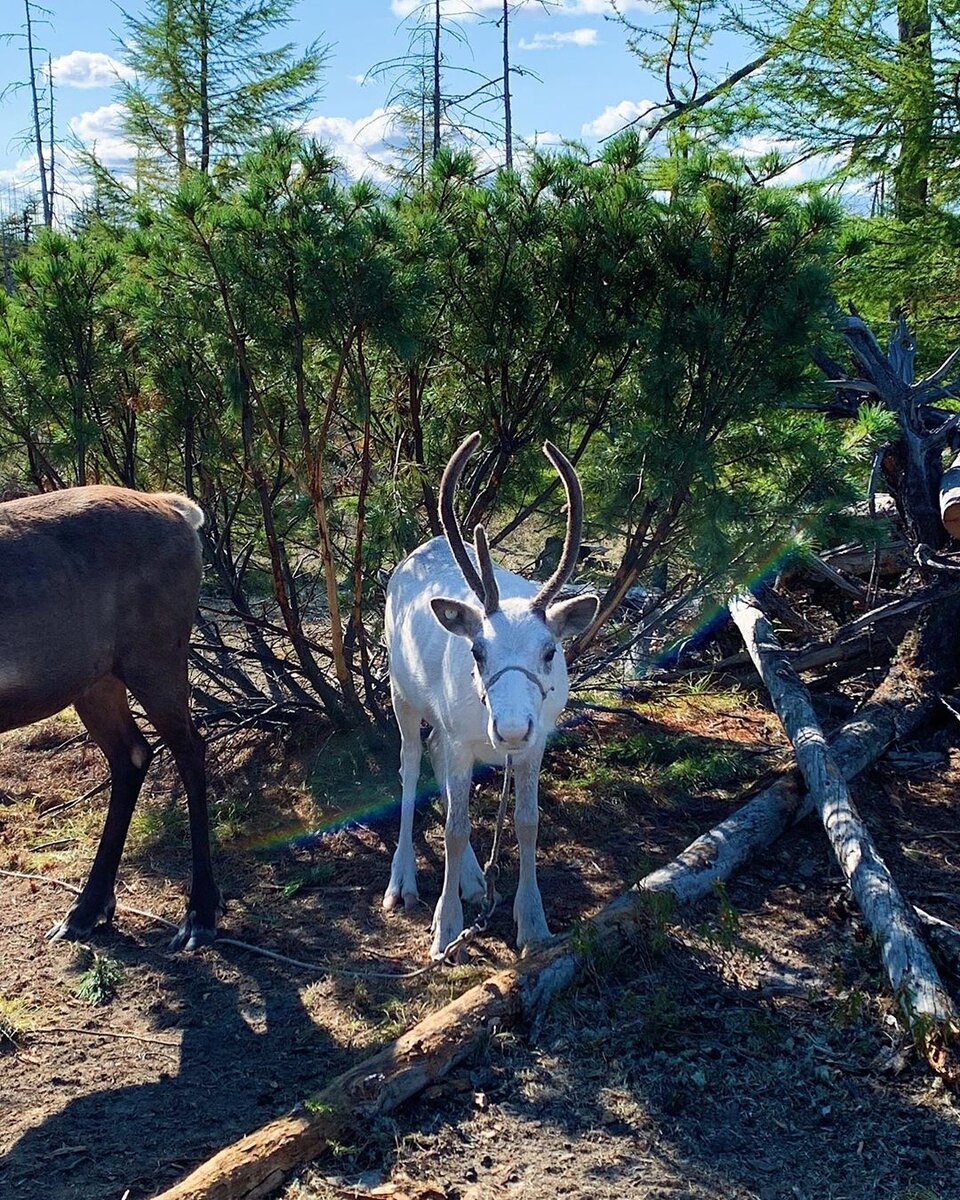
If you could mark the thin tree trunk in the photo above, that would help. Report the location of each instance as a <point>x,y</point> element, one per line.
<point>38,134</point>
<point>917,107</point>
<point>922,998</point>
<point>507,108</point>
<point>177,102</point>
<point>436,77</point>
<point>204,88</point>
<point>313,456</point>
<point>52,146</point>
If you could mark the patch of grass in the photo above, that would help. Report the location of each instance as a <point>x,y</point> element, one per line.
<point>229,816</point>
<point>16,1019</point>
<point>851,1007</point>
<point>316,876</point>
<point>156,825</point>
<point>100,980</point>
<point>396,1019</point>
<point>663,1018</point>
<point>667,765</point>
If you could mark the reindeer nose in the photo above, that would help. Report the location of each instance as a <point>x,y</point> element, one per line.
<point>512,733</point>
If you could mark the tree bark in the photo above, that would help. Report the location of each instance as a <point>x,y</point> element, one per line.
<point>921,997</point>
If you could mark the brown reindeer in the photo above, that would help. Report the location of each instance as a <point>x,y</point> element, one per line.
<point>98,590</point>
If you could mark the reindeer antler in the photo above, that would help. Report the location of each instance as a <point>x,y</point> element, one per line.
<point>571,544</point>
<point>483,585</point>
<point>491,593</point>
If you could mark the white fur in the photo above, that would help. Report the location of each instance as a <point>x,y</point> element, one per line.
<point>433,678</point>
<point>191,512</point>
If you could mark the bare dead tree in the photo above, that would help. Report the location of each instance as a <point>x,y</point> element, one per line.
<point>437,99</point>
<point>37,126</point>
<point>507,109</point>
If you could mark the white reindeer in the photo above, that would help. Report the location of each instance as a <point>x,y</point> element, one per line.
<point>490,680</point>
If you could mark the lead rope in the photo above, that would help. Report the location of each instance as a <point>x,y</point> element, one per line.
<point>491,872</point>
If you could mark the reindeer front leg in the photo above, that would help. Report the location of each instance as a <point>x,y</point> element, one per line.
<point>532,928</point>
<point>448,917</point>
<point>403,870</point>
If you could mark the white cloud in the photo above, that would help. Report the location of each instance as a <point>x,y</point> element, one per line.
<point>605,8</point>
<point>451,10</point>
<point>23,175</point>
<point>552,41</point>
<point>545,137</point>
<point>88,69</point>
<point>101,131</point>
<point>364,146</point>
<point>802,171</point>
<point>467,10</point>
<point>615,116</point>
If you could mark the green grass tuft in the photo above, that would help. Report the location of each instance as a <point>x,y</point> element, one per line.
<point>99,982</point>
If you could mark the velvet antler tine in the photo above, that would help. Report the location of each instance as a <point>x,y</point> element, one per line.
<point>448,518</point>
<point>491,593</point>
<point>571,543</point>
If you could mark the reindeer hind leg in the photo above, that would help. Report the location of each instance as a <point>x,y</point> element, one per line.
<point>105,712</point>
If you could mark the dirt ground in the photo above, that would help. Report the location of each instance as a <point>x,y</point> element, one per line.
<point>752,1052</point>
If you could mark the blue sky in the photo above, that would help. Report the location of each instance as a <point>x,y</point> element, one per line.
<point>589,83</point>
<point>580,82</point>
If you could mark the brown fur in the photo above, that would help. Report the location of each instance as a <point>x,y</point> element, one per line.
<point>98,590</point>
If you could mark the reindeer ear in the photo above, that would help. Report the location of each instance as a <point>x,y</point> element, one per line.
<point>457,617</point>
<point>569,617</point>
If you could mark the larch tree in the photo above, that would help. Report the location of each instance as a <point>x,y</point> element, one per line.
<point>206,84</point>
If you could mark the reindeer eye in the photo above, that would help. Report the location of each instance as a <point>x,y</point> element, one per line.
<point>548,655</point>
<point>478,655</point>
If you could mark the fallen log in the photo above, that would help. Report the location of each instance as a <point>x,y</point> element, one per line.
<point>257,1163</point>
<point>847,643</point>
<point>818,566</point>
<point>926,1007</point>
<point>853,559</point>
<point>950,498</point>
<point>802,658</point>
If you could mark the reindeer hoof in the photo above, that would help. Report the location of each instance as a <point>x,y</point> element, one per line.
<point>393,896</point>
<point>199,927</point>
<point>193,934</point>
<point>81,920</point>
<point>534,944</point>
<point>438,954</point>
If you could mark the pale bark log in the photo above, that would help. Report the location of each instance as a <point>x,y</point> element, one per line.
<point>891,559</point>
<point>950,498</point>
<point>924,1002</point>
